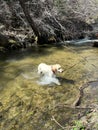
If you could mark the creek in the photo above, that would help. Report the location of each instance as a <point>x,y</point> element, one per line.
<point>27,105</point>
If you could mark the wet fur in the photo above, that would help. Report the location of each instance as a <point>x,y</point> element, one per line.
<point>50,71</point>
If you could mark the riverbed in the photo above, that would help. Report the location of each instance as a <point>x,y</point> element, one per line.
<point>27,105</point>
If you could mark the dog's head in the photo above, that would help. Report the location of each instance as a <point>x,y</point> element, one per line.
<point>57,68</point>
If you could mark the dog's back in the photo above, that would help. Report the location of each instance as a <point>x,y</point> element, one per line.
<point>44,69</point>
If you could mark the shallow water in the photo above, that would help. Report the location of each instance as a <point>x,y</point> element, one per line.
<point>27,105</point>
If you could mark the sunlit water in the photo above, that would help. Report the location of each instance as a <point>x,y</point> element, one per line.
<point>26,103</point>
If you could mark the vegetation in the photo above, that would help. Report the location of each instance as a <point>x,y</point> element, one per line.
<point>51,21</point>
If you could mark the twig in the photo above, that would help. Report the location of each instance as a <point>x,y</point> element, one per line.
<point>53,119</point>
<point>72,66</point>
<point>67,106</point>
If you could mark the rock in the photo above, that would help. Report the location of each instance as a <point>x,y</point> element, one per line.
<point>95,44</point>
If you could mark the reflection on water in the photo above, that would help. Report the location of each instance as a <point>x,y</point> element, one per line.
<point>46,80</point>
<point>27,105</point>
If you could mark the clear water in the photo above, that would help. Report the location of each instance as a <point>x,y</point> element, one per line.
<point>27,105</point>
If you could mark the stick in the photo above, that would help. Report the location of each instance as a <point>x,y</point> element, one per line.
<point>53,119</point>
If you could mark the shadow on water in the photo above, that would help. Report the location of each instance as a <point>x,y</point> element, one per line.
<point>29,52</point>
<point>64,80</point>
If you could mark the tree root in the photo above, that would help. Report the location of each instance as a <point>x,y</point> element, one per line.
<point>77,102</point>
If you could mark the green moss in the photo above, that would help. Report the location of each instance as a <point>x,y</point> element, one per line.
<point>12,41</point>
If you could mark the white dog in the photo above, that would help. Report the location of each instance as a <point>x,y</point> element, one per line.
<point>49,71</point>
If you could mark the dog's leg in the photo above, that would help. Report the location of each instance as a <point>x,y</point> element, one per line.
<point>56,81</point>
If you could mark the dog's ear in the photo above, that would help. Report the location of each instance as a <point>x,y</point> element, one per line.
<point>57,66</point>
